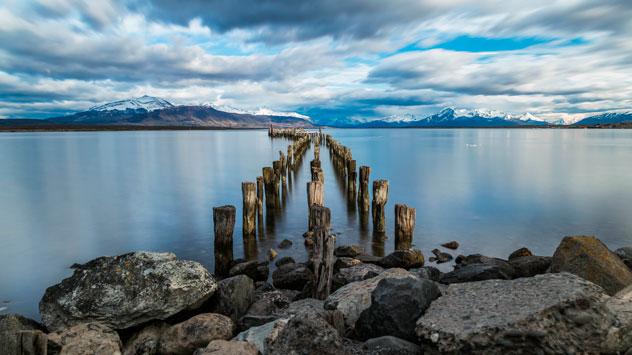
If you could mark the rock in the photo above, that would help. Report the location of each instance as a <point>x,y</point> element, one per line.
<point>427,272</point>
<point>127,290</point>
<point>619,338</point>
<point>285,243</point>
<point>459,259</point>
<point>196,332</point>
<point>405,259</point>
<point>284,260</point>
<point>355,273</point>
<point>272,254</point>
<point>352,299</point>
<point>270,302</point>
<point>307,333</point>
<point>146,341</point>
<point>520,253</point>
<point>589,258</point>
<point>343,262</point>
<point>21,335</point>
<point>475,272</point>
<point>454,245</point>
<point>369,259</point>
<point>86,338</point>
<point>550,313</point>
<point>390,345</point>
<point>257,271</point>
<point>224,347</point>
<point>441,257</point>
<point>293,277</point>
<point>263,335</point>
<point>234,296</point>
<point>528,266</point>
<point>396,304</point>
<point>350,251</point>
<point>625,254</point>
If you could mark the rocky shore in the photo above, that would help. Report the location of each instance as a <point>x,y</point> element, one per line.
<point>577,301</point>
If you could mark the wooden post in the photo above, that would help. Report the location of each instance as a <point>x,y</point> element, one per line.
<point>224,224</point>
<point>363,195</point>
<point>289,156</point>
<point>404,226</point>
<point>352,176</point>
<point>260,199</point>
<point>380,197</point>
<point>249,199</point>
<point>315,194</point>
<point>269,184</point>
<point>323,262</point>
<point>319,216</point>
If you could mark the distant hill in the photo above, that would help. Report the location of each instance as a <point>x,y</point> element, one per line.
<point>606,118</point>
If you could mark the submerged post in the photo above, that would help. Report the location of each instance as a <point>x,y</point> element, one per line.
<point>380,197</point>
<point>224,223</point>
<point>352,176</point>
<point>363,195</point>
<point>269,184</point>
<point>404,226</point>
<point>249,197</point>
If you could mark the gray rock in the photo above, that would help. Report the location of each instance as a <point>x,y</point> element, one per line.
<point>453,245</point>
<point>522,252</point>
<point>234,296</point>
<point>285,243</point>
<point>284,260</point>
<point>441,257</point>
<point>254,269</point>
<point>355,273</point>
<point>267,307</point>
<point>263,335</point>
<point>528,266</point>
<point>293,277</point>
<point>396,304</point>
<point>224,347</point>
<point>619,337</point>
<point>343,262</point>
<point>127,290</point>
<point>550,313</point>
<point>475,272</point>
<point>196,332</point>
<point>589,258</point>
<point>390,345</point>
<point>352,299</point>
<point>86,338</point>
<point>369,259</point>
<point>350,251</point>
<point>21,335</point>
<point>405,259</point>
<point>427,272</point>
<point>146,341</point>
<point>625,254</point>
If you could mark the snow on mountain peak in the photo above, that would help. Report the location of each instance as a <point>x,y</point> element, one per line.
<point>262,111</point>
<point>145,102</point>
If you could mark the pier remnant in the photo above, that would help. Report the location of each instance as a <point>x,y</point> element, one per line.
<point>323,253</point>
<point>249,197</point>
<point>224,224</point>
<point>269,185</point>
<point>315,197</point>
<point>260,200</point>
<point>404,226</point>
<point>352,176</point>
<point>380,197</point>
<point>363,194</point>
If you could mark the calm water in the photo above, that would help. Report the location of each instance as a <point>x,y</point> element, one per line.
<point>70,197</point>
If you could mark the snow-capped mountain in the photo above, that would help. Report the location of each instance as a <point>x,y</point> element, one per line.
<point>606,118</point>
<point>400,118</point>
<point>262,111</point>
<point>144,102</point>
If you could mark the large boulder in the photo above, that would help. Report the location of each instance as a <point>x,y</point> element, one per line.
<point>126,290</point>
<point>224,347</point>
<point>390,345</point>
<point>86,338</point>
<point>293,277</point>
<point>196,332</point>
<point>405,259</point>
<point>590,259</point>
<point>21,335</point>
<point>261,336</point>
<point>396,304</point>
<point>254,269</point>
<point>625,254</point>
<point>550,313</point>
<point>528,266</point>
<point>427,272</point>
<point>352,299</point>
<point>234,296</point>
<point>355,273</point>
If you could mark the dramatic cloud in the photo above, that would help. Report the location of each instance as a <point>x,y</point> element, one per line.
<point>335,60</point>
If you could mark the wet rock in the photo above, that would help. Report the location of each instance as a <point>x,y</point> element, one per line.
<point>352,299</point>
<point>390,345</point>
<point>350,251</point>
<point>86,338</point>
<point>619,337</point>
<point>475,272</point>
<point>344,262</point>
<point>272,254</point>
<point>405,259</point>
<point>625,254</point>
<point>441,257</point>
<point>196,332</point>
<point>453,245</point>
<point>263,335</point>
<point>285,243</point>
<point>427,272</point>
<point>293,277</point>
<point>589,258</point>
<point>284,260</point>
<point>257,271</point>
<point>127,290</point>
<point>369,259</point>
<point>146,341</point>
<point>550,313</point>
<point>528,266</point>
<point>224,347</point>
<point>396,304</point>
<point>459,259</point>
<point>21,335</point>
<point>234,296</point>
<point>520,253</point>
<point>355,273</point>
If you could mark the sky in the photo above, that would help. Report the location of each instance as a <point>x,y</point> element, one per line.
<point>329,59</point>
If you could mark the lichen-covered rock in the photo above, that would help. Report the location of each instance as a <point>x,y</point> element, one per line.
<point>355,273</point>
<point>225,347</point>
<point>234,296</point>
<point>390,345</point>
<point>256,270</point>
<point>528,266</point>
<point>86,338</point>
<point>196,332</point>
<point>520,253</point>
<point>262,335</point>
<point>405,259</point>
<point>620,333</point>
<point>21,335</point>
<point>146,341</point>
<point>589,258</point>
<point>550,313</point>
<point>126,290</point>
<point>352,299</point>
<point>396,304</point>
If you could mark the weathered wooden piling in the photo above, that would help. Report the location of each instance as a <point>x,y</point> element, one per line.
<point>380,197</point>
<point>224,224</point>
<point>270,186</point>
<point>260,199</point>
<point>363,194</point>
<point>404,226</point>
<point>315,197</point>
<point>352,177</point>
<point>249,197</point>
<point>290,151</point>
<point>319,216</point>
<point>323,262</point>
